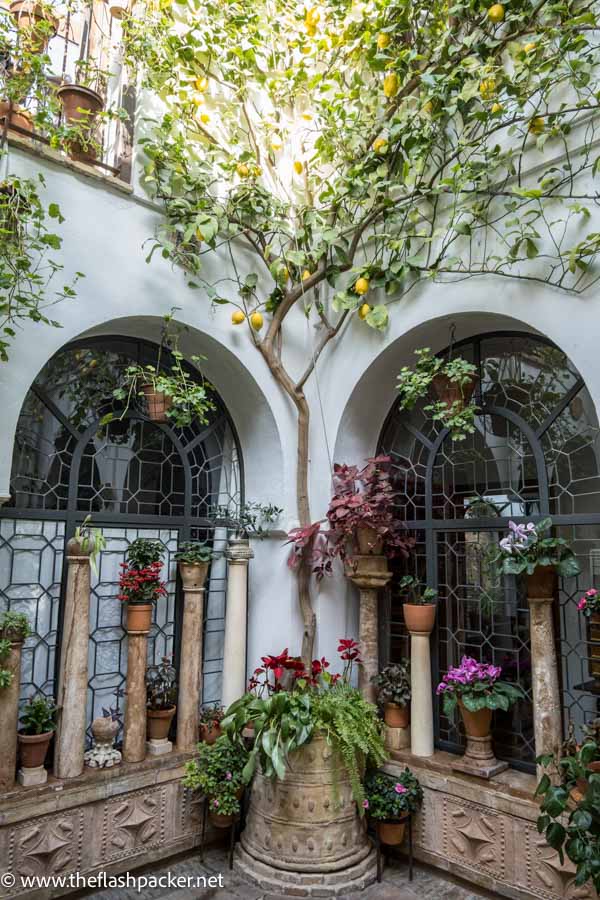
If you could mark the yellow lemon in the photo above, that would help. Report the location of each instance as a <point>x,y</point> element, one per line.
<point>306,50</point>
<point>313,17</point>
<point>242,170</point>
<point>487,88</point>
<point>363,311</point>
<point>201,84</point>
<point>379,145</point>
<point>298,167</point>
<point>383,40</point>
<point>390,84</point>
<point>306,274</point>
<point>529,47</point>
<point>199,235</point>
<point>496,13</point>
<point>497,108</point>
<point>205,118</point>
<point>285,273</point>
<point>427,108</point>
<point>257,171</point>
<point>362,285</point>
<point>276,142</point>
<point>238,317</point>
<point>536,125</point>
<point>256,320</point>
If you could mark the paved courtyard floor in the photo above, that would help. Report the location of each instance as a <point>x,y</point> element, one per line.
<point>427,884</point>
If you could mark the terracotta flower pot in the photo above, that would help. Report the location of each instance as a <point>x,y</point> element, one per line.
<point>449,392</point>
<point>139,617</point>
<point>17,117</point>
<point>33,749</point>
<point>28,16</point>
<point>594,644</point>
<point>542,583</point>
<point>209,733</point>
<point>578,793</point>
<point>193,575</point>
<point>391,832</point>
<point>370,543</point>
<point>396,716</point>
<point>81,105</point>
<point>157,402</point>
<point>419,617</point>
<point>217,820</point>
<point>159,722</point>
<point>477,724</point>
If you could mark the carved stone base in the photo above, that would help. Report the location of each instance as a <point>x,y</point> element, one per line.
<point>31,777</point>
<point>102,756</point>
<point>158,746</point>
<point>479,759</point>
<point>307,884</point>
<point>397,738</point>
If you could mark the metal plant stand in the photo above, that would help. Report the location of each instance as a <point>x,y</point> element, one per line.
<point>383,854</point>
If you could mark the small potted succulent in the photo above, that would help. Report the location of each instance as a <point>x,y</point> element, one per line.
<point>589,605</point>
<point>393,685</point>
<point>210,722</point>
<point>217,773</point>
<point>38,724</point>
<point>524,551</point>
<point>476,689</point>
<point>420,607</point>
<point>140,582</point>
<point>194,559</point>
<point>14,629</point>
<point>389,800</point>
<point>161,694</point>
<point>453,381</point>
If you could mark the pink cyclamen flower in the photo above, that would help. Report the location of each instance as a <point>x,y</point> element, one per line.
<point>228,776</point>
<point>591,593</point>
<point>582,603</point>
<point>365,804</point>
<point>400,789</point>
<point>216,804</point>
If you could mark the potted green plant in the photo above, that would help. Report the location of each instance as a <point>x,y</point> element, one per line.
<point>589,605</point>
<point>389,800</point>
<point>81,104</point>
<point>140,583</point>
<point>87,541</point>
<point>420,607</point>
<point>477,691</point>
<point>36,22</point>
<point>14,629</point>
<point>194,559</point>
<point>210,722</point>
<point>38,724</point>
<point>452,380</point>
<point>570,809</point>
<point>393,685</point>
<point>218,773</point>
<point>524,551</point>
<point>161,694</point>
<point>171,394</point>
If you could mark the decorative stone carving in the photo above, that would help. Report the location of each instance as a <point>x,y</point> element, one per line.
<point>103,754</point>
<point>474,836</point>
<point>479,758</point>
<point>547,877</point>
<point>134,824</point>
<point>48,846</point>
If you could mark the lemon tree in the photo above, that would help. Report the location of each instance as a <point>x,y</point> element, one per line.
<point>345,153</point>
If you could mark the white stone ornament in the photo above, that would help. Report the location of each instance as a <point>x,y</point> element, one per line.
<point>103,754</point>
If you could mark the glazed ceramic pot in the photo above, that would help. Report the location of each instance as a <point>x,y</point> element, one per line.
<point>159,722</point>
<point>396,716</point>
<point>419,618</point>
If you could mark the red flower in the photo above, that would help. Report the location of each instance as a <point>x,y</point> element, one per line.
<point>276,663</point>
<point>349,649</point>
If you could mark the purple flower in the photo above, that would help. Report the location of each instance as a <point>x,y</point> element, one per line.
<point>469,672</point>
<point>400,789</point>
<point>228,776</point>
<point>365,804</point>
<point>216,804</point>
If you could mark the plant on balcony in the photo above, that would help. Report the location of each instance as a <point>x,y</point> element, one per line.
<point>161,694</point>
<point>570,809</point>
<point>524,551</point>
<point>394,693</point>
<point>389,800</point>
<point>14,627</point>
<point>217,773</point>
<point>140,583</point>
<point>37,725</point>
<point>211,717</point>
<point>476,689</point>
<point>453,381</point>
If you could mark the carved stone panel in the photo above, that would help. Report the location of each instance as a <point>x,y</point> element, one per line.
<point>50,845</point>
<point>474,836</point>
<point>546,877</point>
<point>133,824</point>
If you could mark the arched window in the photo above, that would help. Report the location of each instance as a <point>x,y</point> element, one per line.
<point>136,478</point>
<point>535,452</point>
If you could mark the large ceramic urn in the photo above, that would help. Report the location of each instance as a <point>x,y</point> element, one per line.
<point>296,830</point>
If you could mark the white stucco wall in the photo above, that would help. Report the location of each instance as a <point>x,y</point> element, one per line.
<point>104,236</point>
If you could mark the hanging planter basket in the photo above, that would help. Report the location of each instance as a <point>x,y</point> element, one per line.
<point>80,106</point>
<point>450,392</point>
<point>157,402</point>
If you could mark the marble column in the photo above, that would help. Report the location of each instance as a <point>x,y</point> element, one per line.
<point>193,578</point>
<point>369,573</point>
<point>134,732</point>
<point>73,672</point>
<point>547,715</point>
<point>421,733</point>
<point>9,717</point>
<point>239,555</point>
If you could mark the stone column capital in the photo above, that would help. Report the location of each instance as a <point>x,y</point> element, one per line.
<point>239,551</point>
<point>540,600</point>
<point>78,560</point>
